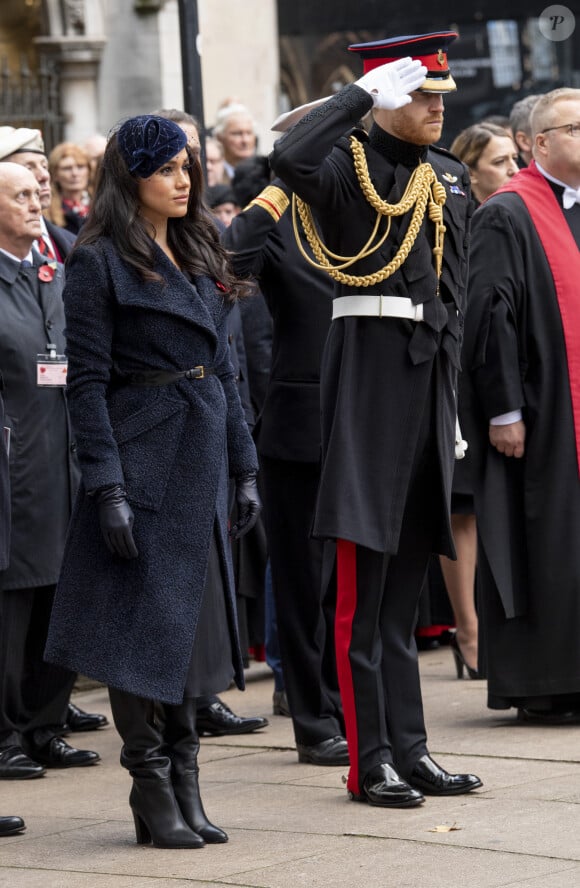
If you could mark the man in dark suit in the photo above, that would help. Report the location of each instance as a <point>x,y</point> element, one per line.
<point>299,299</point>
<point>43,477</point>
<point>384,201</point>
<point>26,147</point>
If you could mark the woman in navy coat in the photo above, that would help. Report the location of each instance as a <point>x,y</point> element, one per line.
<point>159,429</point>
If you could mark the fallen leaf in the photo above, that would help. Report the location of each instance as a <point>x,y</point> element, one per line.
<point>443,828</point>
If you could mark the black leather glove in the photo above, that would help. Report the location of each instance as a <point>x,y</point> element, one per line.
<point>248,503</point>
<point>116,520</point>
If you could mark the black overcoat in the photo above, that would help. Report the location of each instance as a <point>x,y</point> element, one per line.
<point>376,375</point>
<point>64,240</point>
<point>301,304</point>
<point>131,624</point>
<point>528,510</point>
<point>43,469</point>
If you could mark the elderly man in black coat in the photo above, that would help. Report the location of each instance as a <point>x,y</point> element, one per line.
<point>384,202</point>
<point>26,147</point>
<point>33,695</point>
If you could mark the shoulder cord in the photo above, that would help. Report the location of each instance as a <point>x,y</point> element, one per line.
<point>423,187</point>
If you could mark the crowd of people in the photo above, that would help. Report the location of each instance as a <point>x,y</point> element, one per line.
<point>235,402</point>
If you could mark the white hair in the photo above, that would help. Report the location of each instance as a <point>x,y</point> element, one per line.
<point>228,111</point>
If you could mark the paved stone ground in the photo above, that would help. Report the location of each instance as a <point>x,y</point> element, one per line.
<point>291,825</point>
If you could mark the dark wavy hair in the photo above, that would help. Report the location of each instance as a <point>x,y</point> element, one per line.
<point>193,238</point>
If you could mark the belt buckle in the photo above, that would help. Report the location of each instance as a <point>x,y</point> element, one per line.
<point>196,372</point>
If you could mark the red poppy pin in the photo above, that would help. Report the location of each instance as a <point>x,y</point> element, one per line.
<point>46,272</point>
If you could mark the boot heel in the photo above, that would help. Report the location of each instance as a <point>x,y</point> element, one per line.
<point>157,816</point>
<point>142,834</point>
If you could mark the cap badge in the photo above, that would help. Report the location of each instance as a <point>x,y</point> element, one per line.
<point>449,177</point>
<point>441,58</point>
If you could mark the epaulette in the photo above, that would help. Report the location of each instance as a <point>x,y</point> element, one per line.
<point>446,153</point>
<point>450,162</point>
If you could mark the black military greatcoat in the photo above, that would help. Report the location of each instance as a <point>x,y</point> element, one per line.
<point>376,376</point>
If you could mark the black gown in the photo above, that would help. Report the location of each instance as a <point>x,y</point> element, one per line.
<point>528,510</point>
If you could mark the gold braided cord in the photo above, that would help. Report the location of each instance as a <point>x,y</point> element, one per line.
<point>316,244</point>
<point>423,188</point>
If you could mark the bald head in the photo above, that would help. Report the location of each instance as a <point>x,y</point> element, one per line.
<point>19,209</point>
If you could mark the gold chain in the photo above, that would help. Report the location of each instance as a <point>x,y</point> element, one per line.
<point>423,187</point>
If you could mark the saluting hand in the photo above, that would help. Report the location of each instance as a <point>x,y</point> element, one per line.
<point>390,84</point>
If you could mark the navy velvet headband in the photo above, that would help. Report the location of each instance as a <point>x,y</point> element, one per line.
<point>147,142</point>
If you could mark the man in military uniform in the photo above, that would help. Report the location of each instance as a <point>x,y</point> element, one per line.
<point>394,215</point>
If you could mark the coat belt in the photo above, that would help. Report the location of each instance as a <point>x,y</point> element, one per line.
<point>166,377</point>
<point>377,307</point>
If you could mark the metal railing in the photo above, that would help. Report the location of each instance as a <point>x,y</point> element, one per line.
<point>31,98</point>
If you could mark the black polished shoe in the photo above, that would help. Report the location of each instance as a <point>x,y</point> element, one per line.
<point>333,751</point>
<point>16,765</point>
<point>549,716</point>
<point>9,826</point>
<point>384,788</point>
<point>432,779</point>
<point>218,720</point>
<point>58,754</point>
<point>78,720</point>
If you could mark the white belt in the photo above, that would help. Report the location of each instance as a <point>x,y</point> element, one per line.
<point>377,307</point>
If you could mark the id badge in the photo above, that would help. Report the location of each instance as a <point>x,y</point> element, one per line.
<point>51,368</point>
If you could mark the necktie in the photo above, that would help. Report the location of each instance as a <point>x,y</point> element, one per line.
<point>570,197</point>
<point>45,249</point>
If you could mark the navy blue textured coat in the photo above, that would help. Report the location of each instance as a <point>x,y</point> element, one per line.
<point>131,624</point>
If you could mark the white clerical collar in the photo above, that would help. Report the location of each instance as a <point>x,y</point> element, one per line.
<point>570,195</point>
<point>27,258</point>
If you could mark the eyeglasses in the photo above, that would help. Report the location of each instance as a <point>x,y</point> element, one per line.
<point>572,128</point>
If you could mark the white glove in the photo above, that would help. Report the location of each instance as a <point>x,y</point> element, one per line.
<point>390,84</point>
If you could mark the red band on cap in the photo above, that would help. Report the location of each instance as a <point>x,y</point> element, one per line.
<point>435,63</point>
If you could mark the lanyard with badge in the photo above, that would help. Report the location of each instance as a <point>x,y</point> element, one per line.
<point>51,368</point>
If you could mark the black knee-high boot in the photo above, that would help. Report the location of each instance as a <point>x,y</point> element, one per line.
<point>157,815</point>
<point>182,747</point>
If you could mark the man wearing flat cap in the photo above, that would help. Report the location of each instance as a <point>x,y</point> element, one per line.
<point>26,147</point>
<point>393,217</point>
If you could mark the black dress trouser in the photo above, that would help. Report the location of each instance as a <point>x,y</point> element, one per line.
<point>305,599</point>
<point>376,614</point>
<point>33,694</point>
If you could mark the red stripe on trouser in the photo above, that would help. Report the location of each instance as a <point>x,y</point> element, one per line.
<point>346,599</point>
